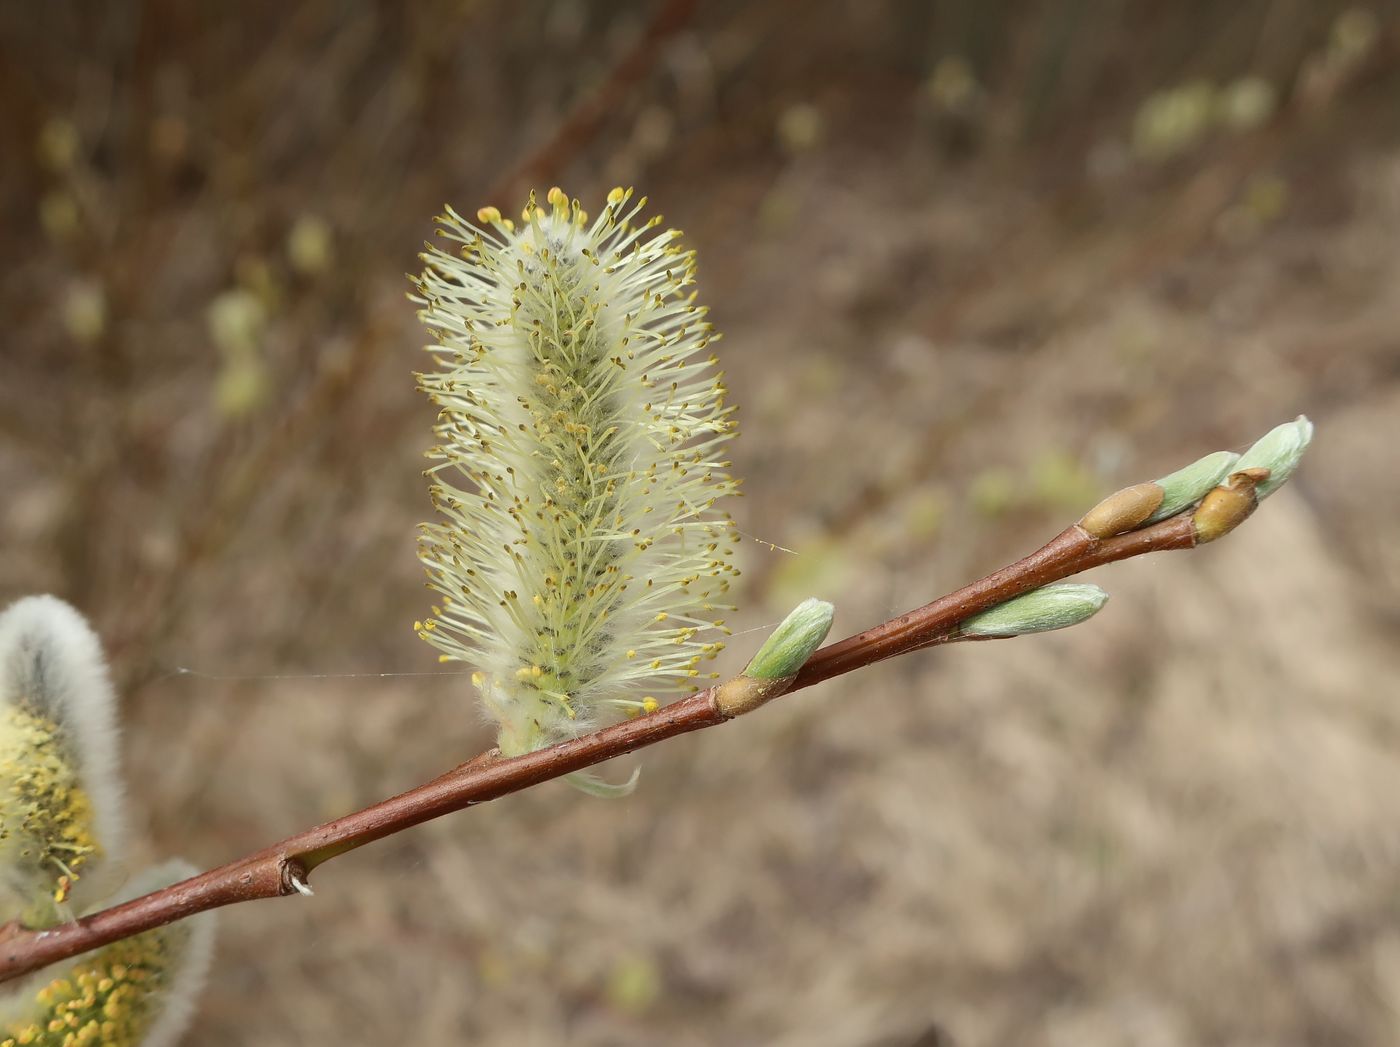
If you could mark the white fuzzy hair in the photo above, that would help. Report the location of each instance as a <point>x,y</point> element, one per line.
<point>51,659</point>
<point>190,958</point>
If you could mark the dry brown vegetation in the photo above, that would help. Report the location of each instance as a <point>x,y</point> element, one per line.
<point>961,299</point>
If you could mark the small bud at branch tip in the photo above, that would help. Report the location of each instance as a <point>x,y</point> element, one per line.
<point>1279,451</point>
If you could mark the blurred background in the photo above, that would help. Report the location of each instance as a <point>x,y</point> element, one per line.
<point>978,262</point>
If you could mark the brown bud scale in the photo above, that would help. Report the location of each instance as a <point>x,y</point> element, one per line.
<point>1123,510</point>
<point>1229,505</point>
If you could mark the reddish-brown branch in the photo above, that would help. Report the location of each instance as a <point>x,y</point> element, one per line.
<point>277,870</point>
<point>1070,552</point>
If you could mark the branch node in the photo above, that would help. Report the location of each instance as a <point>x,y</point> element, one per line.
<point>294,879</point>
<point>744,694</point>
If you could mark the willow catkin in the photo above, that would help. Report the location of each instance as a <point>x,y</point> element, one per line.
<point>62,847</point>
<point>62,822</point>
<point>582,560</point>
<point>137,992</point>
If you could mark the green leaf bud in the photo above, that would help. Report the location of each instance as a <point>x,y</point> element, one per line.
<point>792,642</point>
<point>1279,451</point>
<point>1050,607</point>
<point>1187,486</point>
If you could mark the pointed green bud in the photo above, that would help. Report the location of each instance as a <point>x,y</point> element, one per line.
<point>775,665</point>
<point>1278,451</point>
<point>1188,486</point>
<point>1054,606</point>
<point>793,642</point>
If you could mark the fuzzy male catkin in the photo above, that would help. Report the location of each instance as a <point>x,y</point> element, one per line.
<point>62,847</point>
<point>62,824</point>
<point>583,563</point>
<point>137,992</point>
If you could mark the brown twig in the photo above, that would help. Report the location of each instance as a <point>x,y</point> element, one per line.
<point>283,868</point>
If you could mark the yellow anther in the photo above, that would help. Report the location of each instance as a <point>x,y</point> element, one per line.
<point>631,654</point>
<point>662,616</point>
<point>489,215</point>
<point>558,198</point>
<point>478,679</point>
<point>650,704</point>
<point>616,194</point>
